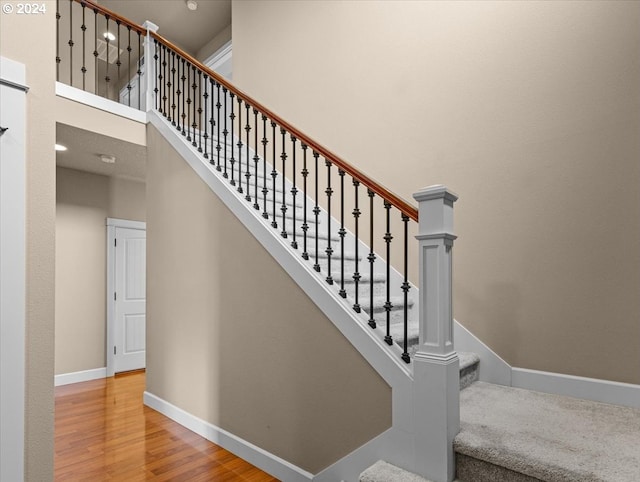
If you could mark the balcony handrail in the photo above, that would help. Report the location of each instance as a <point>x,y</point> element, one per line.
<point>403,206</point>
<point>113,15</point>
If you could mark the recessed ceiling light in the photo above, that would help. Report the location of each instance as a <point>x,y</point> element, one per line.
<point>107,159</point>
<point>109,36</point>
<point>60,147</point>
<point>192,4</point>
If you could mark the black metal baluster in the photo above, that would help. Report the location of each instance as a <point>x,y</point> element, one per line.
<point>173,89</point>
<point>205,96</point>
<point>129,63</point>
<point>139,72</point>
<point>371,258</point>
<point>305,226</point>
<point>256,159</point>
<point>118,63</point>
<point>274,174</point>
<point>197,121</point>
<point>265,191</point>
<point>342,233</point>
<point>247,172</point>
<point>232,117</point>
<point>212,120</point>
<point>84,50</point>
<point>156,57</point>
<point>58,59</point>
<point>283,156</point>
<point>294,193</point>
<point>95,51</point>
<point>329,193</point>
<point>160,65</point>
<point>106,77</point>
<point>356,273</point>
<point>387,304</point>
<point>240,144</point>
<point>70,43</point>
<point>225,132</point>
<point>166,84</point>
<point>198,124</point>
<point>218,147</point>
<point>181,115</point>
<point>188,93</point>
<point>405,289</point>
<point>316,211</point>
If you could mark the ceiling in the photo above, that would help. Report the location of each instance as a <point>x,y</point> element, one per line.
<point>84,149</point>
<point>189,30</point>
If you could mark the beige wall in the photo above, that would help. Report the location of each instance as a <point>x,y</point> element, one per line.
<point>214,44</point>
<point>84,201</point>
<point>40,229</point>
<point>529,110</point>
<point>233,340</point>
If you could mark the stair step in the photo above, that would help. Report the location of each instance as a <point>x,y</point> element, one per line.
<point>383,472</point>
<point>526,435</point>
<point>469,365</point>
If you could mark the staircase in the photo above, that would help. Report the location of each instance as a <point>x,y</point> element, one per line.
<point>327,232</point>
<point>515,435</point>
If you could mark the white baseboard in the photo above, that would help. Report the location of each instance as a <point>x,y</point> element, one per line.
<point>604,391</point>
<point>77,377</point>
<point>262,459</point>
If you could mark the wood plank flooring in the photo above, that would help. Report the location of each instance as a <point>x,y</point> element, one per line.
<point>104,432</point>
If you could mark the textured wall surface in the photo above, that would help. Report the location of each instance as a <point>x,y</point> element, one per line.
<point>530,111</point>
<point>233,340</point>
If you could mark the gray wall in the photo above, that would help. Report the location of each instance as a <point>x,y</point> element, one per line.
<point>530,111</point>
<point>233,340</point>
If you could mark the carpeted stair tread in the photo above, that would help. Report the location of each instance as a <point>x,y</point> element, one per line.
<point>384,472</point>
<point>549,437</point>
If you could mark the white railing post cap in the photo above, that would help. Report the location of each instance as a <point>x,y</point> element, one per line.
<point>437,191</point>
<point>149,25</point>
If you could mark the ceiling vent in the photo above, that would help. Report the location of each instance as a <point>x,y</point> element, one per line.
<point>101,47</point>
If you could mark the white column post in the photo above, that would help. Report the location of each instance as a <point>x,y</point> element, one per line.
<point>150,66</point>
<point>436,364</point>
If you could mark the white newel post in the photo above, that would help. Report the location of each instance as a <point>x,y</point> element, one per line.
<point>436,364</point>
<point>150,65</point>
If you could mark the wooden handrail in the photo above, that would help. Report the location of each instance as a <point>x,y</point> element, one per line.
<point>112,15</point>
<point>403,206</point>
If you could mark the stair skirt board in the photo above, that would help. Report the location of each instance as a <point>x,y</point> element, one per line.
<point>262,459</point>
<point>285,222</point>
<point>81,376</point>
<point>370,343</point>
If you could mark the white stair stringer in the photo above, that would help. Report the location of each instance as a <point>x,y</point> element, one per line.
<point>397,443</point>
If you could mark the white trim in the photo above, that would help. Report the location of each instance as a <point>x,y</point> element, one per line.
<point>125,223</point>
<point>82,376</point>
<point>13,116</point>
<point>87,98</point>
<point>604,391</point>
<point>112,224</point>
<point>220,56</point>
<point>253,454</point>
<point>493,369</point>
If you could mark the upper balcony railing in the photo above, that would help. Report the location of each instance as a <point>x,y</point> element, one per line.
<point>100,52</point>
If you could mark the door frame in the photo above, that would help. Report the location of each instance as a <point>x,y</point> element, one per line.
<point>13,159</point>
<point>112,224</point>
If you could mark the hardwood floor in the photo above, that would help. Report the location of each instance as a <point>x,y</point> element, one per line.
<point>104,432</point>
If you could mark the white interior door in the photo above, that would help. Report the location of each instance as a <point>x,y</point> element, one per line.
<point>130,299</point>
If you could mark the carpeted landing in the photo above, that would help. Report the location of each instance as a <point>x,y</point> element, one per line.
<point>530,436</point>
